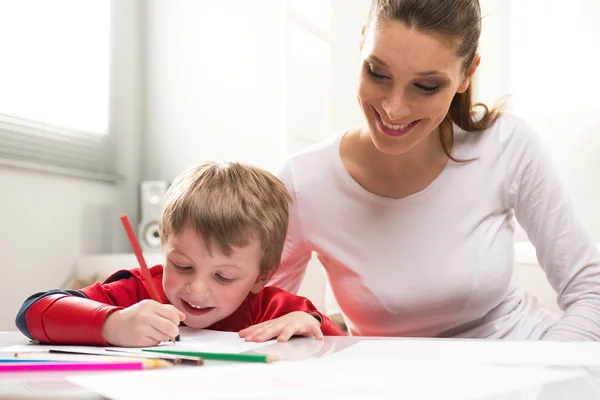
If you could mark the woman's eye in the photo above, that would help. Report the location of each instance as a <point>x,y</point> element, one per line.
<point>224,279</point>
<point>375,75</point>
<point>428,89</point>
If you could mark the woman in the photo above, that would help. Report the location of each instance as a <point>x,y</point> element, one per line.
<point>411,215</point>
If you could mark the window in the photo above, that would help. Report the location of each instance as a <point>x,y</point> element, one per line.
<point>55,80</point>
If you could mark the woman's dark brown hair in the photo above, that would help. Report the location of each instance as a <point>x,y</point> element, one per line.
<point>456,19</point>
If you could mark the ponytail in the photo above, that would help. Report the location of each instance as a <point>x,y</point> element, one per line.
<point>462,112</point>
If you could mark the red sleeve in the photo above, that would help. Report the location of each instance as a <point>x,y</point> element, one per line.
<point>65,319</point>
<point>272,302</point>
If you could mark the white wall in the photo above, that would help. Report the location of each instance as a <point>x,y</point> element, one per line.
<point>47,220</point>
<point>347,21</point>
<point>214,84</point>
<point>228,98</point>
<point>538,54</point>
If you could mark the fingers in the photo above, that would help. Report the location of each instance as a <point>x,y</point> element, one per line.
<point>152,339</point>
<point>292,330</point>
<point>165,328</point>
<point>296,323</point>
<point>264,332</point>
<point>252,330</point>
<point>286,333</point>
<point>171,313</point>
<point>146,323</point>
<point>161,320</point>
<point>318,333</point>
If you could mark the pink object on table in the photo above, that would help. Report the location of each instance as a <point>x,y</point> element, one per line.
<point>68,366</point>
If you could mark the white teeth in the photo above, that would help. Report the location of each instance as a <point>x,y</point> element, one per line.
<point>197,307</point>
<point>395,127</point>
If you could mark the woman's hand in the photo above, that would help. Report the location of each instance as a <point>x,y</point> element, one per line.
<point>294,323</point>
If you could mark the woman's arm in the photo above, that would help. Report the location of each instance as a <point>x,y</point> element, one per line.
<point>296,253</point>
<point>565,251</point>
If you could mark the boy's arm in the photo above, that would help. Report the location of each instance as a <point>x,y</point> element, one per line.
<point>273,303</point>
<point>77,316</point>
<point>62,317</point>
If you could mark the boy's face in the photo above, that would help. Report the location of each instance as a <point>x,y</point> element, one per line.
<point>208,287</point>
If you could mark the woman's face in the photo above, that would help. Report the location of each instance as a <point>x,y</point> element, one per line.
<point>407,82</point>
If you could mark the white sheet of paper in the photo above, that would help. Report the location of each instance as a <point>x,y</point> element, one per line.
<point>191,340</point>
<point>40,348</point>
<point>215,341</point>
<point>319,378</point>
<point>490,352</point>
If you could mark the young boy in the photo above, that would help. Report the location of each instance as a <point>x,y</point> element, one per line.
<point>222,228</point>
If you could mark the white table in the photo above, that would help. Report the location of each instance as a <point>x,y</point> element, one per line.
<point>586,387</point>
<point>39,386</point>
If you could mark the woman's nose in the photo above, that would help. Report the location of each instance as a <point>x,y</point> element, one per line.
<point>396,106</point>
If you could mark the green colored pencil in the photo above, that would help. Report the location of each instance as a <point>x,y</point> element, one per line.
<point>218,356</point>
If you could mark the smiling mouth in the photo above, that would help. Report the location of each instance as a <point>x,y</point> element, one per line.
<point>395,129</point>
<point>195,309</point>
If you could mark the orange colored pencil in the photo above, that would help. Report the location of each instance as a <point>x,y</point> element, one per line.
<point>137,250</point>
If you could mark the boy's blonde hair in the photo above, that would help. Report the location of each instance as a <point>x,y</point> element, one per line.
<point>228,205</point>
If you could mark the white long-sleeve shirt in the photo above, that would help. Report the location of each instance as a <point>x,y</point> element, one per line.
<point>439,263</point>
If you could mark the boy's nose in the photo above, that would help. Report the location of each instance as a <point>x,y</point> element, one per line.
<point>198,287</point>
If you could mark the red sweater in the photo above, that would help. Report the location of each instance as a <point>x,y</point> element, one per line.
<point>76,317</point>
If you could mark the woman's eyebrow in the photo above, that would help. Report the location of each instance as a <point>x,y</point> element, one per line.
<point>378,61</point>
<point>383,64</point>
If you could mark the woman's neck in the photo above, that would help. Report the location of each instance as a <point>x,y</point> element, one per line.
<point>399,175</point>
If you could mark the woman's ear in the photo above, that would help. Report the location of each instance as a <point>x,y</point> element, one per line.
<point>469,74</point>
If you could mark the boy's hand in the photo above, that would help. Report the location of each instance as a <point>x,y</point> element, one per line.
<point>146,323</point>
<point>294,323</point>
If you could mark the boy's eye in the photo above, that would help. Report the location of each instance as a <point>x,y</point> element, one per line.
<point>182,268</point>
<point>224,279</point>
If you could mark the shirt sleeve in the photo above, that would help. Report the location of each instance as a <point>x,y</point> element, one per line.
<point>77,317</point>
<point>296,253</point>
<point>564,249</point>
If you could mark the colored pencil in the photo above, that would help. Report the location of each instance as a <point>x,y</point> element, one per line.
<point>19,360</point>
<point>219,356</point>
<point>137,250</point>
<point>73,366</point>
<point>150,362</point>
<point>183,360</point>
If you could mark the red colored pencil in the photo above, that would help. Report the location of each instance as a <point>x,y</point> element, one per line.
<point>137,250</point>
